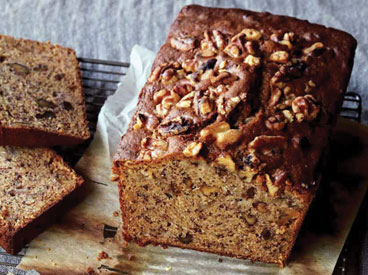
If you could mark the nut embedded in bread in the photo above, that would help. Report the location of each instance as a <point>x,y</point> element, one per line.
<point>41,96</point>
<point>224,149</point>
<point>36,187</point>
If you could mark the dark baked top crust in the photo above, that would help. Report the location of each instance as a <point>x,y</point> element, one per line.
<point>255,93</point>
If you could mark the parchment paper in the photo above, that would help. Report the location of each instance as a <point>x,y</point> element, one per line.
<point>73,245</point>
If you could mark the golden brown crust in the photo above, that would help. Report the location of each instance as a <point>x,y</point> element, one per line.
<point>41,94</point>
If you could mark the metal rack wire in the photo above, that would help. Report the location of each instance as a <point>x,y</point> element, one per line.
<point>100,80</point>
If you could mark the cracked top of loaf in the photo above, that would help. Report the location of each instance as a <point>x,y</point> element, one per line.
<point>253,93</point>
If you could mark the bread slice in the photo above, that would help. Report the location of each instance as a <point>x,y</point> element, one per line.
<point>223,153</point>
<point>41,97</point>
<point>36,186</point>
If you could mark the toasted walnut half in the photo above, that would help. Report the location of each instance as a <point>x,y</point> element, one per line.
<point>315,46</point>
<point>305,108</point>
<point>279,57</point>
<point>219,39</point>
<point>158,96</point>
<point>276,122</point>
<point>138,125</point>
<point>186,101</point>
<point>272,188</point>
<point>232,51</point>
<point>252,34</point>
<point>192,149</point>
<point>222,133</point>
<point>227,162</point>
<point>208,48</point>
<point>252,60</point>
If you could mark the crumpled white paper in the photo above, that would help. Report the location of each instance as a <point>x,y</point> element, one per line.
<point>73,245</point>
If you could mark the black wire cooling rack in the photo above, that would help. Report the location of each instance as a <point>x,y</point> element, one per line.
<point>100,80</point>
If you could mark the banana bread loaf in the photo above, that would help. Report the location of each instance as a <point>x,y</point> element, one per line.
<point>41,97</point>
<point>223,152</point>
<point>36,187</point>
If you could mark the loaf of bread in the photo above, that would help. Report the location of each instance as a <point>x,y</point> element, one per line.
<point>41,96</point>
<point>223,153</point>
<point>36,187</point>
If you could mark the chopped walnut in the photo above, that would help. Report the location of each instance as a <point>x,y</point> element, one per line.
<point>182,43</point>
<point>232,51</point>
<point>219,39</point>
<point>272,189</point>
<point>170,100</point>
<point>189,65</point>
<point>252,60</point>
<point>275,97</point>
<point>192,149</point>
<point>252,34</point>
<point>138,125</point>
<point>158,96</point>
<point>169,76</point>
<point>222,133</point>
<point>209,190</point>
<point>208,49</point>
<point>315,46</point>
<point>186,101</point>
<point>276,122</point>
<point>279,56</point>
<point>155,74</point>
<point>205,106</point>
<point>227,162</point>
<point>305,108</point>
<point>288,115</point>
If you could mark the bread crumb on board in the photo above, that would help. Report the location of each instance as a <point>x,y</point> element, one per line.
<point>102,255</point>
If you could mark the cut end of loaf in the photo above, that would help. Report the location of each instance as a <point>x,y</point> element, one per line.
<point>33,181</point>
<point>41,94</point>
<point>192,204</point>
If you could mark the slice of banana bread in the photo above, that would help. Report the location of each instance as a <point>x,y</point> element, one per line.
<point>223,152</point>
<point>36,187</point>
<point>41,97</point>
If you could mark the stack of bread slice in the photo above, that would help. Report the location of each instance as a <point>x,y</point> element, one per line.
<point>41,105</point>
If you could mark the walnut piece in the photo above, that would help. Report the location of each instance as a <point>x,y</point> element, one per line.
<point>315,46</point>
<point>227,162</point>
<point>209,190</point>
<point>305,108</point>
<point>276,122</point>
<point>279,57</point>
<point>219,39</point>
<point>232,51</point>
<point>192,149</point>
<point>252,34</point>
<point>272,189</point>
<point>252,60</point>
<point>222,133</point>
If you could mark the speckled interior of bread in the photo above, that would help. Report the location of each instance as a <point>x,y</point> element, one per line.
<point>223,153</point>
<point>206,208</point>
<point>40,88</point>
<point>32,181</point>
